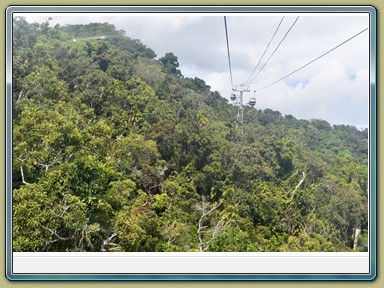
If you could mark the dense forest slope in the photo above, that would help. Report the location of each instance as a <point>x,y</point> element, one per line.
<point>115,150</point>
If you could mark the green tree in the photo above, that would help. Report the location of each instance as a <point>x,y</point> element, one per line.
<point>170,64</point>
<point>116,151</point>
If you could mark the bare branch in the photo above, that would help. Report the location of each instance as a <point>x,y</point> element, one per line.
<point>298,185</point>
<point>355,237</point>
<point>304,227</point>
<point>55,234</point>
<point>106,241</point>
<point>55,161</point>
<point>218,227</point>
<point>294,174</point>
<point>89,84</point>
<point>22,175</point>
<point>20,97</point>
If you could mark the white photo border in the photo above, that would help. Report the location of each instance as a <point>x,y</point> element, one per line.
<point>31,258</point>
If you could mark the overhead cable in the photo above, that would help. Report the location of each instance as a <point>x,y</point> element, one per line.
<point>273,36</point>
<point>266,62</point>
<point>310,62</point>
<point>229,57</point>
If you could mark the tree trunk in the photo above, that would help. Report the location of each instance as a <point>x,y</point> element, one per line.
<point>357,233</point>
<point>298,185</point>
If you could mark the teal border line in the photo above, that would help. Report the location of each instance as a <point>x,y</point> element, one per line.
<point>198,9</point>
<point>373,137</point>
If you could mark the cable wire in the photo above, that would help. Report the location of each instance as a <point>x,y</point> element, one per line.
<point>310,62</point>
<point>273,36</point>
<point>229,57</point>
<point>254,77</point>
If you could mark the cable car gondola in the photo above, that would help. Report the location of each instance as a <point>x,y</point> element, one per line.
<point>252,102</point>
<point>233,97</point>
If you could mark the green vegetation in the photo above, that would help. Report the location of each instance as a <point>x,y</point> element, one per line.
<point>114,150</point>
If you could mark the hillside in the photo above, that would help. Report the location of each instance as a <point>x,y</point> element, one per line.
<point>115,150</point>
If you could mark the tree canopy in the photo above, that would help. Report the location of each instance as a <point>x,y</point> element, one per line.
<point>114,150</point>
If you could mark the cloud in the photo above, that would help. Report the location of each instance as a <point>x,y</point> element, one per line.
<point>334,88</point>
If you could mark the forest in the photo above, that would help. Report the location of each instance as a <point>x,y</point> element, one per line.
<point>115,150</point>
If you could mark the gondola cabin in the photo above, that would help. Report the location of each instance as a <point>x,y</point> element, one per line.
<point>252,102</point>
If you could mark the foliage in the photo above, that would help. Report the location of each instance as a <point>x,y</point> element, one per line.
<point>114,150</point>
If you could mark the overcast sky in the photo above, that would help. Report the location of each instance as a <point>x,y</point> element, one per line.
<point>334,88</point>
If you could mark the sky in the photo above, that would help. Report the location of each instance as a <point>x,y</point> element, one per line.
<point>334,88</point>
